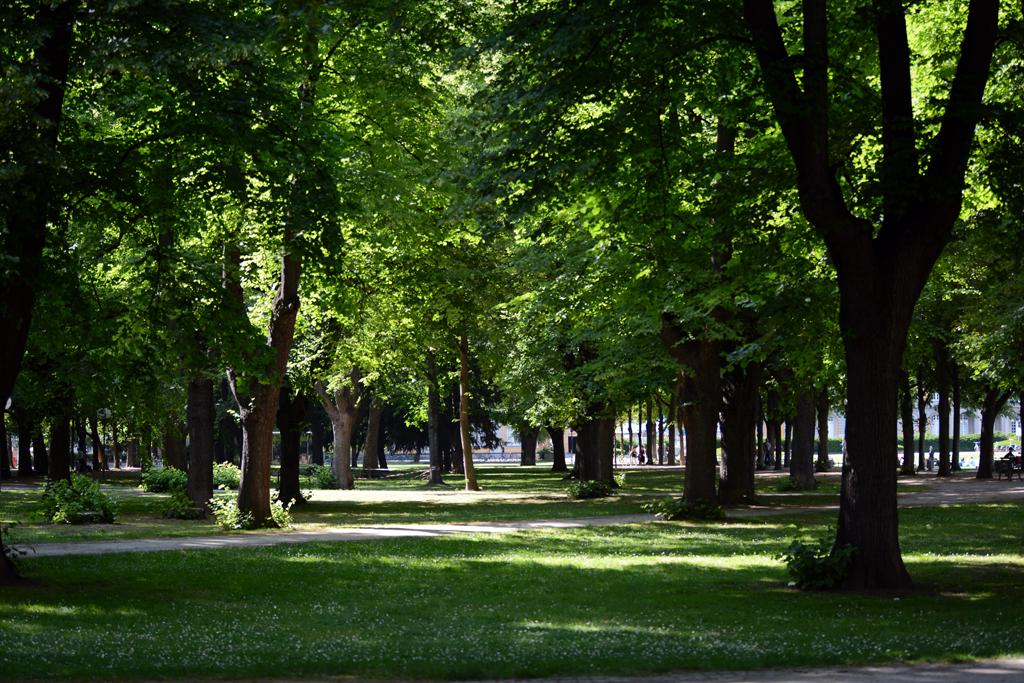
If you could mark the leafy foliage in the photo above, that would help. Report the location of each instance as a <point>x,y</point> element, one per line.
<point>226,475</point>
<point>64,502</point>
<point>321,477</point>
<point>181,507</point>
<point>589,489</point>
<point>817,565</point>
<point>229,517</point>
<point>164,479</point>
<point>674,509</point>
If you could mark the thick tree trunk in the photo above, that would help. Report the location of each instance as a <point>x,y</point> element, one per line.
<point>993,401</point>
<point>801,465</point>
<point>370,449</point>
<point>42,460</point>
<point>173,447</point>
<point>649,432</point>
<point>700,394</point>
<point>557,449</point>
<point>922,419</point>
<point>661,435</point>
<point>291,420</point>
<point>955,445</point>
<point>528,442</point>
<point>342,409</point>
<point>316,430</point>
<point>433,423</point>
<point>5,457</point>
<point>739,412</point>
<point>761,447</point>
<point>202,414</point>
<point>25,429</point>
<point>467,441</point>
<point>59,466</point>
<point>942,387</point>
<point>907,418</point>
<point>824,464</point>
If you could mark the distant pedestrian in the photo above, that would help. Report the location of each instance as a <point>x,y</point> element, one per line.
<point>931,457</point>
<point>642,456</point>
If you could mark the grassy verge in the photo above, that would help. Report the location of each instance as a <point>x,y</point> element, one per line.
<point>597,601</point>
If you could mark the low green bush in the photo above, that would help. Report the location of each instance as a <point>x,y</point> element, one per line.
<point>229,517</point>
<point>589,489</point>
<point>164,479</point>
<point>66,501</point>
<point>321,477</point>
<point>674,509</point>
<point>181,507</point>
<point>816,565</point>
<point>226,475</point>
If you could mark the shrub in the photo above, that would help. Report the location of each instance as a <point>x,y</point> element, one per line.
<point>589,489</point>
<point>181,507</point>
<point>226,511</point>
<point>321,477</point>
<point>816,565</point>
<point>164,479</point>
<point>791,484</point>
<point>673,509</point>
<point>226,475</point>
<point>64,501</point>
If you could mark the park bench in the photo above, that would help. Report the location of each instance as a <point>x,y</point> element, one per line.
<point>1009,467</point>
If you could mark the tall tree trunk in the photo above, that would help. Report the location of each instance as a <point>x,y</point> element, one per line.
<point>801,465</point>
<point>673,412</point>
<point>739,411</point>
<point>955,445</point>
<point>760,433</point>
<point>25,430</point>
<point>649,431</point>
<point>342,409</point>
<point>5,457</point>
<point>824,464</point>
<point>774,422</point>
<point>992,402</point>
<point>557,449</point>
<point>433,423</point>
<point>907,418</point>
<point>661,434</point>
<point>202,415</point>
<point>700,394</point>
<point>42,460</point>
<point>173,447</point>
<point>528,442</point>
<point>316,430</point>
<point>922,418</point>
<point>59,466</point>
<point>291,420</point>
<point>942,387</point>
<point>881,269</point>
<point>467,441</point>
<point>370,449</point>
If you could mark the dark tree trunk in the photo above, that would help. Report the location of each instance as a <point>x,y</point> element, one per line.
<point>824,464</point>
<point>370,464</point>
<point>42,460</point>
<point>342,409</point>
<point>907,418</point>
<point>5,457</point>
<point>955,445</point>
<point>528,441</point>
<point>942,387</point>
<point>25,429</point>
<point>649,432</point>
<point>787,448</point>
<point>316,430</point>
<point>661,435</point>
<point>291,420</point>
<point>700,393</point>
<point>59,466</point>
<point>881,269</point>
<point>132,451</point>
<point>739,412</point>
<point>202,416</point>
<point>993,401</point>
<point>801,465</point>
<point>760,433</point>
<point>173,446</point>
<point>433,423</point>
<point>922,419</point>
<point>466,436</point>
<point>557,449</point>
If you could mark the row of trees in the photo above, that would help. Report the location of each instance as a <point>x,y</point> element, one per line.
<point>579,203</point>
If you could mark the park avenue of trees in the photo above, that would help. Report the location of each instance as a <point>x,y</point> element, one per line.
<point>221,216</point>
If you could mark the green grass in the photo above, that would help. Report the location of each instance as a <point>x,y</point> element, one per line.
<point>596,601</point>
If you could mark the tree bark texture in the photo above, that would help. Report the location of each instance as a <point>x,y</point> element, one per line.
<point>922,419</point>
<point>528,441</point>
<point>824,464</point>
<point>801,465</point>
<point>557,449</point>
<point>467,440</point>
<point>342,409</point>
<point>173,447</point>
<point>700,400</point>
<point>942,388</point>
<point>59,466</point>
<point>433,422</point>
<point>370,449</point>
<point>907,418</point>
<point>992,402</point>
<point>739,412</point>
<point>202,414</point>
<point>40,457</point>
<point>291,421</point>
<point>880,272</point>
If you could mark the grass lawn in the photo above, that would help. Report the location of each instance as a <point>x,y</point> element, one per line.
<point>663,596</point>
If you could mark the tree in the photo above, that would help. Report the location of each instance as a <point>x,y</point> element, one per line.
<point>882,258</point>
